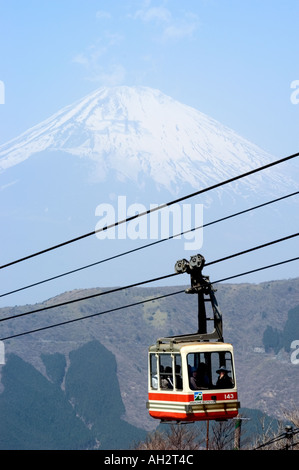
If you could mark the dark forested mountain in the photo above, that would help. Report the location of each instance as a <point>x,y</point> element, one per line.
<point>76,407</point>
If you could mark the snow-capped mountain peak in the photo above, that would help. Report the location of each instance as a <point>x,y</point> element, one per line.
<point>136,132</point>
<point>122,150</point>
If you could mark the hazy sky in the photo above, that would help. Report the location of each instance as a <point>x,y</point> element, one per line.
<point>233,60</point>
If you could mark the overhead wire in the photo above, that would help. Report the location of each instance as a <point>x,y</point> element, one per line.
<point>162,206</point>
<point>143,301</point>
<point>139,248</point>
<point>150,244</point>
<point>151,210</point>
<point>88,297</point>
<point>140,283</point>
<point>278,438</point>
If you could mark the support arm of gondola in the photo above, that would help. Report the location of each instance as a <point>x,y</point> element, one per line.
<point>201,286</point>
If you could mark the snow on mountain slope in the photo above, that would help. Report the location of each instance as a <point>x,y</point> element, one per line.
<point>134,144</point>
<point>136,132</point>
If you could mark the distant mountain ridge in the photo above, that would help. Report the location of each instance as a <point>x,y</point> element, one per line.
<point>267,381</point>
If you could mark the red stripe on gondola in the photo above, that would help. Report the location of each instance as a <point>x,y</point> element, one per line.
<point>186,398</point>
<point>170,397</point>
<point>203,416</point>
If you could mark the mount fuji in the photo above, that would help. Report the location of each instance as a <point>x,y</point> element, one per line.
<point>136,133</point>
<point>140,144</point>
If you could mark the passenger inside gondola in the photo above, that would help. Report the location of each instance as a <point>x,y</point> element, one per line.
<point>199,379</point>
<point>223,381</point>
<point>166,378</point>
<point>210,370</point>
<point>178,378</point>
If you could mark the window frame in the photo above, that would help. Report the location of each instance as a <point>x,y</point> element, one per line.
<point>213,361</point>
<point>159,360</point>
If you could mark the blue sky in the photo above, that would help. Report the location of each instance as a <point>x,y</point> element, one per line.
<point>233,60</point>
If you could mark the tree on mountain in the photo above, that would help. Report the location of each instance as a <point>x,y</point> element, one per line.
<point>272,339</point>
<point>178,437</point>
<point>291,328</point>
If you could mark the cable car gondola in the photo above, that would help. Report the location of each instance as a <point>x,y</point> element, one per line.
<point>192,377</point>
